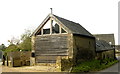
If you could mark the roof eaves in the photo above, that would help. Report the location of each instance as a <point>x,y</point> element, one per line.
<point>83,35</point>
<point>41,25</point>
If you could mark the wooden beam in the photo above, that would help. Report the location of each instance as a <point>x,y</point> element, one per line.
<point>42,31</point>
<point>51,26</point>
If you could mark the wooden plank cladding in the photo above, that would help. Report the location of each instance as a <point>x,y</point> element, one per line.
<point>51,46</point>
<point>46,59</point>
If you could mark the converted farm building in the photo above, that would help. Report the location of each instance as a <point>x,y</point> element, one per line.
<point>57,37</point>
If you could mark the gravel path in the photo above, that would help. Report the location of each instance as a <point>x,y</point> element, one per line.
<point>28,69</point>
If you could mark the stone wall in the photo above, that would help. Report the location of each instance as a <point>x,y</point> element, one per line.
<point>105,54</point>
<point>18,58</point>
<point>63,63</point>
<point>84,48</point>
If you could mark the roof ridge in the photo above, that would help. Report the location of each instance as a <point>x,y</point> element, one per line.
<point>66,19</point>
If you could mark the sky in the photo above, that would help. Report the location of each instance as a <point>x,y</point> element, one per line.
<point>97,16</point>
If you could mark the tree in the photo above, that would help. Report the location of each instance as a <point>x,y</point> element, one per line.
<point>12,47</point>
<point>25,44</point>
<point>2,47</point>
<point>14,41</point>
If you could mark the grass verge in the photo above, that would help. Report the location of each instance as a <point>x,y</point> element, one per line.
<point>93,65</point>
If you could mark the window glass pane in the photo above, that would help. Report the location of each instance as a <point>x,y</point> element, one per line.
<point>55,27</point>
<point>39,33</point>
<point>46,27</point>
<point>63,31</point>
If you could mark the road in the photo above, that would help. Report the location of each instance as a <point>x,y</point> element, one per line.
<point>111,70</point>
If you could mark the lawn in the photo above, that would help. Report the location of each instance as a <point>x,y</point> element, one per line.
<point>93,65</point>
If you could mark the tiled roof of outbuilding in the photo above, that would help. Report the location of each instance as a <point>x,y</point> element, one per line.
<point>106,37</point>
<point>102,45</point>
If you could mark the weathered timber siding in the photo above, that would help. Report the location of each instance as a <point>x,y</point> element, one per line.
<point>84,48</point>
<point>48,47</point>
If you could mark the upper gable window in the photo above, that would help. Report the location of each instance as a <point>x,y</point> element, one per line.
<point>39,33</point>
<point>51,27</point>
<point>46,27</point>
<point>63,31</point>
<point>55,27</point>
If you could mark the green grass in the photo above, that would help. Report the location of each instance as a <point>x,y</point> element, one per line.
<point>93,65</point>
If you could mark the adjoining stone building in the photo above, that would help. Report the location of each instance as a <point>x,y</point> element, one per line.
<point>105,46</point>
<point>104,50</point>
<point>58,37</point>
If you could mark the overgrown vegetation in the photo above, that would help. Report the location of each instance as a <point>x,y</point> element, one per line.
<point>2,47</point>
<point>25,45</point>
<point>66,64</point>
<point>22,44</point>
<point>93,65</point>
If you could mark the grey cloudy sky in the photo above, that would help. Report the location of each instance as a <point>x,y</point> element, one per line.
<point>97,16</point>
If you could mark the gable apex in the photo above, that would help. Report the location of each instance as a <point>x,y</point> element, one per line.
<point>72,27</point>
<point>45,20</point>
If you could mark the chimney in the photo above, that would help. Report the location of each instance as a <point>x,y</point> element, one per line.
<point>51,10</point>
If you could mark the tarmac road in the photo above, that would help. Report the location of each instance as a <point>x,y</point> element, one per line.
<point>111,70</point>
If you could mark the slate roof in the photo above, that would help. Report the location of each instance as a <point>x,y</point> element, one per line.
<point>102,45</point>
<point>75,28</point>
<point>106,37</point>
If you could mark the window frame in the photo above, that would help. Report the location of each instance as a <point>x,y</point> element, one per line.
<point>51,33</point>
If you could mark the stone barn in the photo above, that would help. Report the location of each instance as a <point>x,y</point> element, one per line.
<point>58,37</point>
<point>104,50</point>
<point>105,46</point>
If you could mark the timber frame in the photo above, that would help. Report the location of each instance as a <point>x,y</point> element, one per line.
<point>50,17</point>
